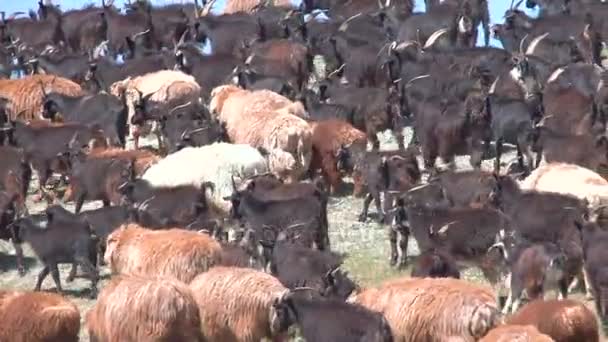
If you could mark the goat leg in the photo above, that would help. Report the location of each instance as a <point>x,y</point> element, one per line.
<point>392,238</point>
<point>72,274</point>
<point>377,202</point>
<point>19,257</point>
<point>366,202</point>
<point>88,267</point>
<point>56,279</point>
<point>403,241</point>
<point>498,155</point>
<point>41,276</point>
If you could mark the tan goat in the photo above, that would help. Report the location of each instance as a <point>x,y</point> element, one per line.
<point>144,309</point>
<point>262,119</point>
<point>433,309</point>
<point>37,317</point>
<point>237,304</point>
<point>174,253</point>
<point>563,320</point>
<point>26,94</point>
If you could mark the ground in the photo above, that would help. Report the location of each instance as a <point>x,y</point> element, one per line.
<point>366,244</point>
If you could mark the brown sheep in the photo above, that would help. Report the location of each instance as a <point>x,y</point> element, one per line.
<point>26,95</point>
<point>175,253</point>
<point>238,304</point>
<point>234,6</point>
<point>433,309</point>
<point>37,317</point>
<point>328,137</point>
<point>520,333</point>
<point>260,119</point>
<point>144,309</point>
<point>563,320</point>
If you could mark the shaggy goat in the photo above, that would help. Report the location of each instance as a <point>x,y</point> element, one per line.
<point>145,309</point>
<point>174,253</point>
<point>26,95</point>
<point>216,163</point>
<point>239,304</point>
<point>433,309</point>
<point>563,320</point>
<point>258,119</point>
<point>38,317</point>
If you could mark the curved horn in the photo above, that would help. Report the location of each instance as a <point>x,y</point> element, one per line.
<point>344,25</point>
<point>12,16</point>
<point>518,3</point>
<point>335,71</point>
<point>521,44</point>
<point>180,107</point>
<point>534,43</point>
<point>207,8</point>
<point>233,183</point>
<point>142,205</point>
<point>140,34</point>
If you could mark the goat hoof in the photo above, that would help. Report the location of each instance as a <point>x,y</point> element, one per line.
<point>362,218</point>
<point>93,294</point>
<point>69,279</point>
<point>393,261</point>
<point>381,219</point>
<point>21,272</point>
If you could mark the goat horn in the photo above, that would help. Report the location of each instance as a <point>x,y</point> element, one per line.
<point>600,208</point>
<point>498,244</point>
<point>416,188</point>
<point>200,129</point>
<point>521,44</point>
<point>518,3</point>
<point>387,4</point>
<point>207,8</point>
<point>196,9</point>
<point>541,123</point>
<point>344,25</point>
<point>142,205</point>
<point>233,183</point>
<point>335,71</point>
<point>140,34</point>
<point>12,16</point>
<point>417,78</point>
<point>180,107</point>
<point>445,227</point>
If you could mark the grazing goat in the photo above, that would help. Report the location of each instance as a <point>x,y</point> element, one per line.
<point>38,317</point>
<point>433,309</point>
<point>145,309</point>
<point>239,304</point>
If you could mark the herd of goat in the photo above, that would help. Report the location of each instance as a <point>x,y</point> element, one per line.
<point>221,232</point>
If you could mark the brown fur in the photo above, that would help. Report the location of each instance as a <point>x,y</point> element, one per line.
<point>175,253</point>
<point>145,309</point>
<point>247,6</point>
<point>37,317</point>
<point>565,320</point>
<point>519,333</point>
<point>235,303</point>
<point>433,309</point>
<point>251,117</point>
<point>26,94</point>
<point>327,137</point>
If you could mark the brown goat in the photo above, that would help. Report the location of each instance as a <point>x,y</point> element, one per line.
<point>328,137</point>
<point>37,317</point>
<point>433,309</point>
<point>520,333</point>
<point>563,320</point>
<point>144,309</point>
<point>26,95</point>
<point>238,304</point>
<point>175,253</point>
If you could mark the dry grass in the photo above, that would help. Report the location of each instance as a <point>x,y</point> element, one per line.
<point>366,244</point>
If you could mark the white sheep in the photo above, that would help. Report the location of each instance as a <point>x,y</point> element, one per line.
<point>216,163</point>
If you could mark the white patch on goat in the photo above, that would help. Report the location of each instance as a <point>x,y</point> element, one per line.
<point>235,80</point>
<point>534,43</point>
<point>515,74</point>
<point>555,74</point>
<point>462,25</point>
<point>493,86</point>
